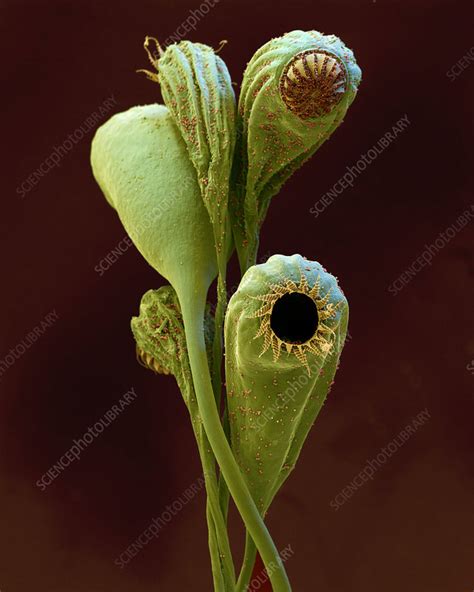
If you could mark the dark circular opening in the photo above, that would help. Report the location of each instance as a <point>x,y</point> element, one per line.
<point>294,318</point>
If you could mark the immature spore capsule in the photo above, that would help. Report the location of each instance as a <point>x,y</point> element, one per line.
<point>284,331</point>
<point>160,336</point>
<point>197,90</point>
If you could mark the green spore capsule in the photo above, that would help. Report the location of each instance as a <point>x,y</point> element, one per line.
<point>284,332</point>
<point>295,93</point>
<point>197,89</point>
<point>161,340</point>
<point>141,163</point>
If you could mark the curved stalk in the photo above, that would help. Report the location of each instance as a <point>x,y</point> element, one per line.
<point>216,370</point>
<point>216,522</point>
<point>217,576</point>
<point>216,378</point>
<point>218,329</point>
<point>247,564</point>
<point>223,489</point>
<point>192,307</point>
<point>217,375</point>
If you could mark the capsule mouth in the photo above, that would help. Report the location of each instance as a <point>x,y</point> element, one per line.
<point>298,318</point>
<point>294,318</point>
<point>313,83</point>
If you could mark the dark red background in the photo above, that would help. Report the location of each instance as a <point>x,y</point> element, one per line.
<point>411,528</point>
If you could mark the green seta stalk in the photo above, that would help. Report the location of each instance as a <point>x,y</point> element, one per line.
<point>193,307</point>
<point>161,346</point>
<point>129,152</point>
<point>192,179</point>
<point>125,150</point>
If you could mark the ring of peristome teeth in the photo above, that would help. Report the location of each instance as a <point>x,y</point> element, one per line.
<point>148,361</point>
<point>312,83</point>
<point>321,343</point>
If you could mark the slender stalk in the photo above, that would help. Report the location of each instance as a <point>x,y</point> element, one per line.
<point>247,564</point>
<point>217,575</point>
<point>217,345</point>
<point>218,525</point>
<point>192,307</point>
<point>216,374</point>
<point>223,489</point>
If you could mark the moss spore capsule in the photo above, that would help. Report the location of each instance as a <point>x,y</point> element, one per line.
<point>295,93</point>
<point>278,373</point>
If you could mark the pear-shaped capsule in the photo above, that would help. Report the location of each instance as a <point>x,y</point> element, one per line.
<point>141,163</point>
<point>284,332</point>
<point>295,92</point>
<point>197,89</point>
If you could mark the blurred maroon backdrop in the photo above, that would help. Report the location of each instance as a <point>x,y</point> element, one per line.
<point>410,528</point>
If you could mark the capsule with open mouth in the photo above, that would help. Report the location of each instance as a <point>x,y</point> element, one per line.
<point>284,332</point>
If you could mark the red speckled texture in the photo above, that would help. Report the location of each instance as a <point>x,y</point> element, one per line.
<point>410,528</point>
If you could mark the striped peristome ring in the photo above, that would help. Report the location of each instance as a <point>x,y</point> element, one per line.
<point>313,82</point>
<point>148,361</point>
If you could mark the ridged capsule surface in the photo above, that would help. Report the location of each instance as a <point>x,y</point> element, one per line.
<point>284,331</point>
<point>197,89</point>
<point>160,337</point>
<point>295,92</point>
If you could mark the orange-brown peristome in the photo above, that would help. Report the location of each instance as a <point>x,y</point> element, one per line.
<point>312,83</point>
